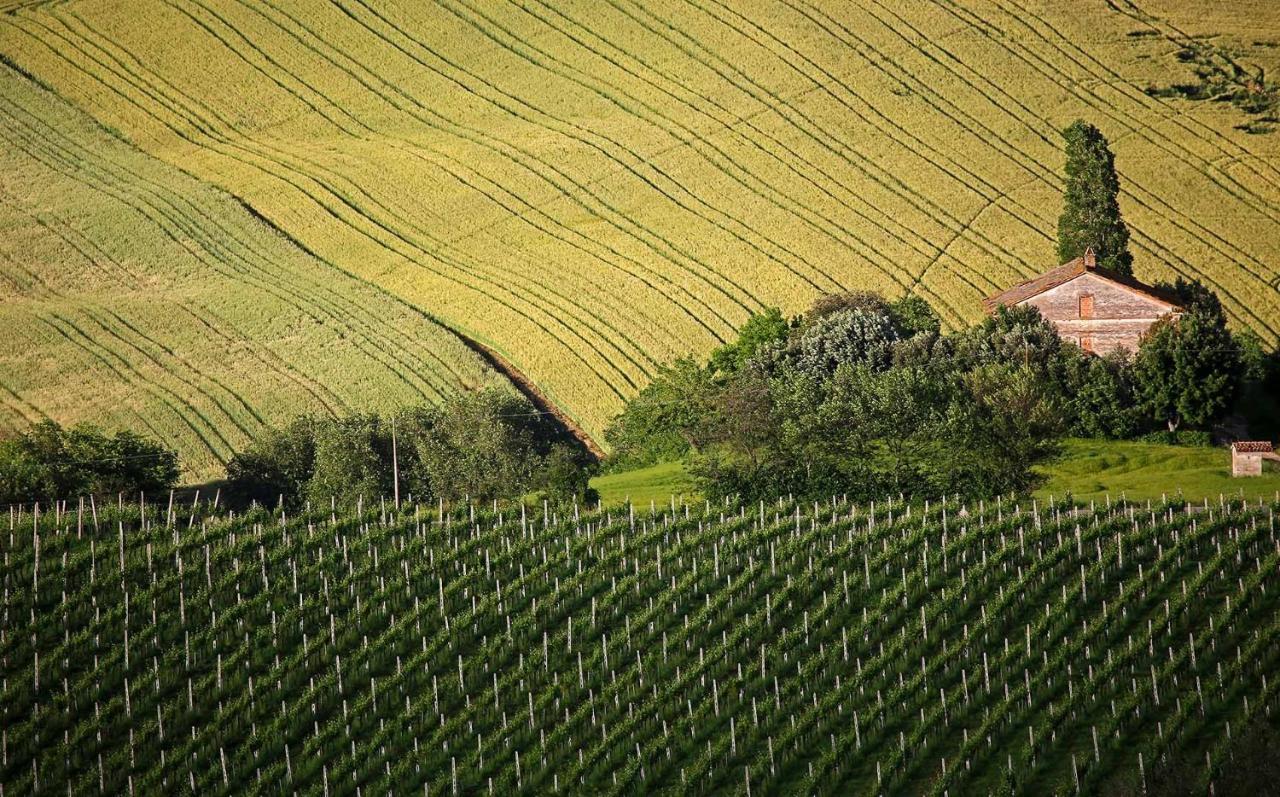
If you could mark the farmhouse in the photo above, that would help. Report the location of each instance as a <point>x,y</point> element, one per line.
<point>1096,309</point>
<point>1247,456</point>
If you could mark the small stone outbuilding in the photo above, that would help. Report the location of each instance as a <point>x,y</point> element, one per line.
<point>1247,457</point>
<point>1095,308</point>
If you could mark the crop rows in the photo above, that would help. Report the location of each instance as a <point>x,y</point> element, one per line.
<point>137,297</point>
<point>592,189</point>
<point>824,648</point>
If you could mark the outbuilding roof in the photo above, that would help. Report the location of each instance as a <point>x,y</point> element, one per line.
<point>1252,447</point>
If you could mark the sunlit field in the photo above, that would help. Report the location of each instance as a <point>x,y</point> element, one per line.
<point>595,188</point>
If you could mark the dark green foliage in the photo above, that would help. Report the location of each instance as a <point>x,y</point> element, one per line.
<point>760,330</point>
<point>1194,297</point>
<point>1187,371</point>
<point>48,462</point>
<point>566,476</point>
<point>664,421</point>
<point>352,457</point>
<point>277,465</point>
<point>866,398</point>
<point>1100,397</point>
<point>867,413</point>
<point>1091,214</point>
<point>1006,420</point>
<point>482,446</point>
<point>912,315</point>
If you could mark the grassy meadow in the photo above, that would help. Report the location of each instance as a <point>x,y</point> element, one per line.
<point>135,296</point>
<point>589,188</point>
<point>1087,470</point>
<point>1092,469</point>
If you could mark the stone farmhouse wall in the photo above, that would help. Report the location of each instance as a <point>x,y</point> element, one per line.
<point>1114,316</point>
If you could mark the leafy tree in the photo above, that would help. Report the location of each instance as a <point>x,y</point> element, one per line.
<point>1195,297</point>
<point>897,414</point>
<point>1011,335</point>
<point>566,476</point>
<point>1091,213</point>
<point>912,315</point>
<point>666,419</point>
<point>1187,370</point>
<point>124,462</point>
<point>760,330</point>
<point>350,457</point>
<point>1099,395</point>
<point>1006,420</point>
<point>849,336</point>
<point>46,462</point>
<point>1257,364</point>
<point>277,465</point>
<point>482,446</point>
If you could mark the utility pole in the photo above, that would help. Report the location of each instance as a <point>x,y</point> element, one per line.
<point>395,464</point>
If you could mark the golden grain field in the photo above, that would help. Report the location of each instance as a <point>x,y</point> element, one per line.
<point>594,187</point>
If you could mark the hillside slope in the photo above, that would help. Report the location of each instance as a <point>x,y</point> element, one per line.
<point>593,188</point>
<point>134,296</point>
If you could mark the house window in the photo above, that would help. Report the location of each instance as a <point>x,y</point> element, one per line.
<point>1086,342</point>
<point>1086,306</point>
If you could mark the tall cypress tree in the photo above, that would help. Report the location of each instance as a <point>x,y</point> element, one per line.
<point>1090,214</point>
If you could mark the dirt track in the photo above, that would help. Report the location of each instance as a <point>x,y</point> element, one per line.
<point>534,395</point>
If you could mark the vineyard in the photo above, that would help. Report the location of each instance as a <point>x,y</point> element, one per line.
<point>826,648</point>
<point>591,189</point>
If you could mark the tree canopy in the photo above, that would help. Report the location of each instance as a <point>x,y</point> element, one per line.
<point>1091,212</point>
<point>48,461</point>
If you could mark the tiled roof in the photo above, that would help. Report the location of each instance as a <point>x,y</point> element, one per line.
<point>1252,447</point>
<point>1064,274</point>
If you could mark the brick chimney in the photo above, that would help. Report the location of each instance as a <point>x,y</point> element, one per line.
<point>1090,259</point>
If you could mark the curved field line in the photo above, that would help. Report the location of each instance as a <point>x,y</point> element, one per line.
<point>842,149</point>
<point>330,188</point>
<point>608,336</point>
<point>1242,192</point>
<point>610,333</point>
<point>724,70</point>
<point>686,136</point>
<point>1209,134</point>
<point>496,145</point>
<point>250,158</point>
<point>209,250</point>
<point>432,119</point>
<point>108,353</point>
<point>1214,139</point>
<point>63,231</point>
<point>253,159</point>
<point>1163,253</point>
<point>834,229</point>
<point>924,204</point>
<point>204,248</point>
<point>86,345</point>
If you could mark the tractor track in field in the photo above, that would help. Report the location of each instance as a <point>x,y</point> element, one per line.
<point>566,424</point>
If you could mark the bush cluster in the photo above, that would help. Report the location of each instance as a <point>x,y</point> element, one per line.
<point>48,462</point>
<point>477,446</point>
<point>865,396</point>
